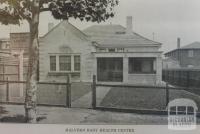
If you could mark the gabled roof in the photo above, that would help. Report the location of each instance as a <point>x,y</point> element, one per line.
<point>194,45</point>
<point>116,36</point>
<point>76,30</point>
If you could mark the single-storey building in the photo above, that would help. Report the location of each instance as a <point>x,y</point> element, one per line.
<point>113,53</point>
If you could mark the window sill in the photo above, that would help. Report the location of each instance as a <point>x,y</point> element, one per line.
<point>140,74</point>
<point>62,73</point>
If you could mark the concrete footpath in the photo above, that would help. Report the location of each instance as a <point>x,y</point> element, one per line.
<point>57,115</point>
<point>86,100</point>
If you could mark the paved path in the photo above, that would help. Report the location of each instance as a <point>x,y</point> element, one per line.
<point>86,100</point>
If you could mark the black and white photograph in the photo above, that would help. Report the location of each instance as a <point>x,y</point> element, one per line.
<point>123,63</point>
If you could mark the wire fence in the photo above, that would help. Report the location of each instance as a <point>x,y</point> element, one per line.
<point>141,99</point>
<point>48,93</point>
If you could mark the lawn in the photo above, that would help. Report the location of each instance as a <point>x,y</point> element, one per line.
<point>140,98</point>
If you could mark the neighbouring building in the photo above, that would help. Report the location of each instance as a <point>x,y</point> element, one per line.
<point>187,56</point>
<point>4,51</point>
<point>4,44</point>
<point>113,53</point>
<point>14,57</point>
<point>20,42</point>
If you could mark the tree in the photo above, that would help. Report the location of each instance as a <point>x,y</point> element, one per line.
<point>15,11</point>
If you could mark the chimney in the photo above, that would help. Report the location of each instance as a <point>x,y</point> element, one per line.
<point>129,24</point>
<point>50,26</point>
<point>178,43</point>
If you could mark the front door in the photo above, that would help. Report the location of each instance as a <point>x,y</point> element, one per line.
<point>110,69</point>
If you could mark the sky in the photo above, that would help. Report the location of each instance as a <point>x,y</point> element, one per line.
<point>167,19</point>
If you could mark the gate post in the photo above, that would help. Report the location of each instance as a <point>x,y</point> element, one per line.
<point>167,94</point>
<point>94,92</point>
<point>68,92</point>
<point>7,90</point>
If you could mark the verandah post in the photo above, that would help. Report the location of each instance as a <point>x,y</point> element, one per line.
<point>167,94</point>
<point>94,92</point>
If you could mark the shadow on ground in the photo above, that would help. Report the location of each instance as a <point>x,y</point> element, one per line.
<point>2,110</point>
<point>13,119</point>
<point>18,119</point>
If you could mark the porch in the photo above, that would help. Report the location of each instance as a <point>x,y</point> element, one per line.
<point>128,68</point>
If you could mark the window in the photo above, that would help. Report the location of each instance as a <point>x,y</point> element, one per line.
<point>65,63</point>
<point>52,63</point>
<point>190,53</point>
<point>141,65</point>
<point>77,63</point>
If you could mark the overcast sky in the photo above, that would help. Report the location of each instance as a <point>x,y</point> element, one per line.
<point>168,19</point>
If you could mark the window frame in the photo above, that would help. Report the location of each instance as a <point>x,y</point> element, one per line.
<point>72,70</point>
<point>75,70</point>
<point>53,63</point>
<point>70,66</point>
<point>132,60</point>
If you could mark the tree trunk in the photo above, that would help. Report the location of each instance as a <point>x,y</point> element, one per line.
<point>31,85</point>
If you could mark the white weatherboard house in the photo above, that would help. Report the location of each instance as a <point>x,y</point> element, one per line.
<point>113,53</point>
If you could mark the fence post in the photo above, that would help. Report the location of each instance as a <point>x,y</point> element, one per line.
<point>3,72</point>
<point>167,73</point>
<point>167,94</point>
<point>94,92</point>
<point>68,92</point>
<point>7,91</point>
<point>179,78</point>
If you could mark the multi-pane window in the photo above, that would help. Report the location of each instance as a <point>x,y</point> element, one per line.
<point>77,63</point>
<point>52,63</point>
<point>141,65</point>
<point>65,63</point>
